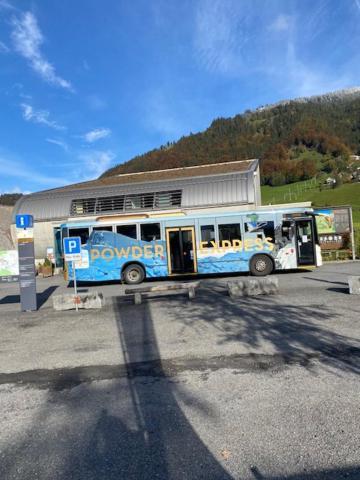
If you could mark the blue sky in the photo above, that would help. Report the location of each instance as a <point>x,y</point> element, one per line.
<point>87,84</point>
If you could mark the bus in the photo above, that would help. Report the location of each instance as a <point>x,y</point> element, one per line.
<point>135,247</point>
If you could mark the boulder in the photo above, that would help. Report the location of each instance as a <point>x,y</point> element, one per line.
<point>254,286</point>
<point>354,285</point>
<point>68,301</point>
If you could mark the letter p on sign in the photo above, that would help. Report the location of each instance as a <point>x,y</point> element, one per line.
<point>72,249</point>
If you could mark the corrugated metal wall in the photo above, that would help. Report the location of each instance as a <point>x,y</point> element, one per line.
<point>232,189</point>
<point>237,188</point>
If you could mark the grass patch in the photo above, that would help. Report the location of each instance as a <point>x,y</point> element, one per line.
<point>347,194</point>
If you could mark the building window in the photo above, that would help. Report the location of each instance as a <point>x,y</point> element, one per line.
<point>150,232</point>
<point>110,204</point>
<point>127,230</point>
<point>83,206</point>
<point>168,199</point>
<point>207,235</point>
<point>229,231</point>
<point>83,233</point>
<point>120,203</point>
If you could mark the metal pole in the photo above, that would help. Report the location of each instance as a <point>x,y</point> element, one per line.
<point>75,288</point>
<point>352,235</point>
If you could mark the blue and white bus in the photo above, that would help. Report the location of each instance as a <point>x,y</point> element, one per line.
<point>134,247</point>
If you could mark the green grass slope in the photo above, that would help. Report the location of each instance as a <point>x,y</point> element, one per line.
<point>347,194</point>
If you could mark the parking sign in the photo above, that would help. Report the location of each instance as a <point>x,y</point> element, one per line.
<point>72,249</point>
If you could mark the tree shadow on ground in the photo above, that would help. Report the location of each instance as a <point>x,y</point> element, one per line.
<point>294,331</point>
<point>132,428</point>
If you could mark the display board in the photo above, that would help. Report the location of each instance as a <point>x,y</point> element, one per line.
<point>9,266</point>
<point>334,225</point>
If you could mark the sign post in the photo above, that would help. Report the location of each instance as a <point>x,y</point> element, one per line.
<point>27,274</point>
<point>72,253</point>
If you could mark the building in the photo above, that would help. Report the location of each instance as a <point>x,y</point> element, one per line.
<point>230,186</point>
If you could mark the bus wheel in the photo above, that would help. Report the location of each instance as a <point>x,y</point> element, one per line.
<point>133,274</point>
<point>261,265</point>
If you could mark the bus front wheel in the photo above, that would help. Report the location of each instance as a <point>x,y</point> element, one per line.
<point>261,265</point>
<point>133,274</point>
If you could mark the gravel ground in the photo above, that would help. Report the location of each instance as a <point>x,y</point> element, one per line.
<point>215,388</point>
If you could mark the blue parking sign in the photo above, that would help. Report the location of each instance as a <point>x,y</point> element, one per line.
<point>72,248</point>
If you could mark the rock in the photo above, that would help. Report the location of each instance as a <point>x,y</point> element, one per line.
<point>68,301</point>
<point>354,285</point>
<point>254,286</point>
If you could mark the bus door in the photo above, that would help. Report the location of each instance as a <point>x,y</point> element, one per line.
<point>305,241</point>
<point>180,244</point>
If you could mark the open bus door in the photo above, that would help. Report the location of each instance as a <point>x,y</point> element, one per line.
<point>305,230</point>
<point>180,244</point>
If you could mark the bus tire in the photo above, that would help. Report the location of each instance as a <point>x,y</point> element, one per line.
<point>133,274</point>
<point>261,265</point>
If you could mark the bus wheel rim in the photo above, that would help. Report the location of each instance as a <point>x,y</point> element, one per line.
<point>260,265</point>
<point>133,274</point>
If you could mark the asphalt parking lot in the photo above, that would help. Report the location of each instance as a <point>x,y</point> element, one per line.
<point>216,388</point>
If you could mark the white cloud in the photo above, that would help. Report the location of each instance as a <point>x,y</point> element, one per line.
<point>39,116</point>
<point>59,143</point>
<point>14,169</point>
<point>96,134</point>
<point>5,5</point>
<point>27,39</point>
<point>281,23</point>
<point>219,36</point>
<point>96,162</point>
<point>4,48</point>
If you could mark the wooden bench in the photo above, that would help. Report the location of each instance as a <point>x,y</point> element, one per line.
<point>187,288</point>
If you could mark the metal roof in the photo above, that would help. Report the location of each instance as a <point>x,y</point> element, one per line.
<point>55,204</point>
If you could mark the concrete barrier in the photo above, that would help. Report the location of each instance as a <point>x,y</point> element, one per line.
<point>354,285</point>
<point>68,301</point>
<point>254,286</point>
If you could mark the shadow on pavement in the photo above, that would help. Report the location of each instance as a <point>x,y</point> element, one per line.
<point>42,297</point>
<point>132,428</point>
<point>349,473</point>
<point>297,332</point>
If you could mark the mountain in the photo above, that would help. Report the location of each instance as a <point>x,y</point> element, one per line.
<point>294,139</point>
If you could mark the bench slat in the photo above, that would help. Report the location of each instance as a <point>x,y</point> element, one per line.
<point>161,288</point>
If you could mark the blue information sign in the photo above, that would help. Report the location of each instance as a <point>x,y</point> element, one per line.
<point>24,221</point>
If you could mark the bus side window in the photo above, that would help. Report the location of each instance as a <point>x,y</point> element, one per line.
<point>208,235</point>
<point>150,232</point>
<point>262,229</point>
<point>83,233</point>
<point>287,230</point>
<point>230,231</point>
<point>127,230</point>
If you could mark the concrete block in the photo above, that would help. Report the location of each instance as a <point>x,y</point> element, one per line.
<point>354,285</point>
<point>254,286</point>
<point>68,301</point>
<point>137,298</point>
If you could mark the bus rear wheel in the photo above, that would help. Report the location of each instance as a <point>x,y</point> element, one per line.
<point>261,265</point>
<point>133,274</point>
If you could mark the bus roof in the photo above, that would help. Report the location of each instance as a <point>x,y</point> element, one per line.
<point>118,219</point>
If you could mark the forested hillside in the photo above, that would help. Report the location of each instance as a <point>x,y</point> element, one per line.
<point>294,140</point>
<point>9,199</point>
